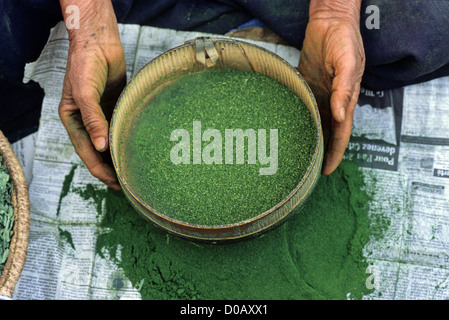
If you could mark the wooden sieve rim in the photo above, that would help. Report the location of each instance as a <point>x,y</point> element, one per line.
<point>264,219</point>
<point>19,240</point>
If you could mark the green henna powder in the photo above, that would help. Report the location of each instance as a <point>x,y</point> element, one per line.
<point>224,190</point>
<point>317,254</point>
<point>65,187</point>
<point>67,236</point>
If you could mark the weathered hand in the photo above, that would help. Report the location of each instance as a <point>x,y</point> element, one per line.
<point>95,76</point>
<point>332,62</point>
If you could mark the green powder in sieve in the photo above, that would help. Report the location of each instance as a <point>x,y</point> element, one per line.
<point>219,146</point>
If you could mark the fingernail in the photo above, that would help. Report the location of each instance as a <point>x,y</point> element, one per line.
<point>100,144</point>
<point>342,114</point>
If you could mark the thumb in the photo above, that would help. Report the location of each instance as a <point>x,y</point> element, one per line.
<point>340,99</point>
<point>88,101</point>
<point>343,87</point>
<point>346,72</point>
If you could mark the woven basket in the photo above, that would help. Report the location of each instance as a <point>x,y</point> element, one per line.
<point>19,240</point>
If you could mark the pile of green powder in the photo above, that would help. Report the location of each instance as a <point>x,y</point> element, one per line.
<point>317,254</point>
<point>218,193</point>
<point>6,214</point>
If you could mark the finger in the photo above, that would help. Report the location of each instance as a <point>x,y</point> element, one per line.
<point>87,100</point>
<point>342,91</point>
<point>80,139</point>
<point>339,139</point>
<point>322,100</point>
<point>343,87</point>
<point>111,95</point>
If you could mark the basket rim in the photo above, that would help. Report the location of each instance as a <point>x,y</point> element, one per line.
<point>19,241</point>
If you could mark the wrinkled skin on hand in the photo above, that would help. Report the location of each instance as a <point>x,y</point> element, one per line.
<point>95,77</point>
<point>332,62</point>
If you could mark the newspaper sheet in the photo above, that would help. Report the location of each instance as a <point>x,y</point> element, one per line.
<point>406,147</point>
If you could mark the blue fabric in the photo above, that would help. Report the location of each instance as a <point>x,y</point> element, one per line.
<point>250,24</point>
<point>24,30</point>
<point>410,46</point>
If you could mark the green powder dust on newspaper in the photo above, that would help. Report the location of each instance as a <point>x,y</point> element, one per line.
<point>317,254</point>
